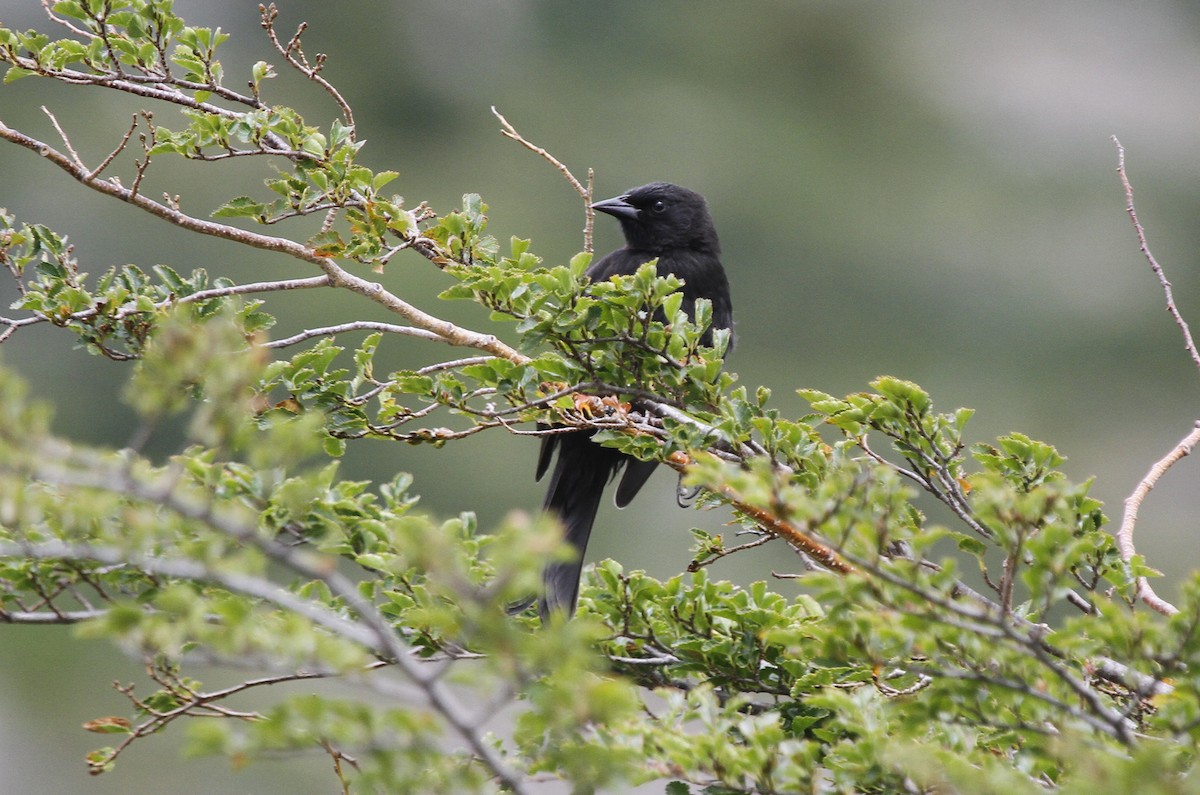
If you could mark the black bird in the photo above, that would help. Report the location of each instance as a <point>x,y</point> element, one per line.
<point>671,224</point>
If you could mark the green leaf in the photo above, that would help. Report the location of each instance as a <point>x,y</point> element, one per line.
<point>383,178</point>
<point>69,8</point>
<point>262,71</point>
<point>334,447</point>
<point>15,73</point>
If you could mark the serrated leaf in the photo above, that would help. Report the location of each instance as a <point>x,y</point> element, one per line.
<point>241,207</point>
<point>15,73</point>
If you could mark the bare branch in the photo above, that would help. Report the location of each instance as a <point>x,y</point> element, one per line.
<point>66,141</point>
<point>294,55</point>
<point>254,287</point>
<point>508,131</point>
<point>589,215</point>
<point>95,172</point>
<point>41,617</point>
<point>357,325</point>
<point>1189,343</point>
<point>1134,501</point>
<point>436,368</point>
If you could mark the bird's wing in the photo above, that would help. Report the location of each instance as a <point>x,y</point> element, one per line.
<point>546,452</point>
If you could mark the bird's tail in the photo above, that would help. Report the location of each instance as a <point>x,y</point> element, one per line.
<point>573,497</point>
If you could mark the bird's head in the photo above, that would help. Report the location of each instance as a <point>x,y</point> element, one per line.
<point>661,216</point>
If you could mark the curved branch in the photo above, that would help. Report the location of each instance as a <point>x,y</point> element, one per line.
<point>1134,501</point>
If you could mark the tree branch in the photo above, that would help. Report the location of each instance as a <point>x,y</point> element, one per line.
<point>1189,343</point>
<point>336,275</point>
<point>508,131</point>
<point>58,463</point>
<point>187,569</point>
<point>1129,521</point>
<point>295,57</point>
<point>356,325</point>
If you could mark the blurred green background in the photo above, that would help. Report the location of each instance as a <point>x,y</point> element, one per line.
<point>924,189</point>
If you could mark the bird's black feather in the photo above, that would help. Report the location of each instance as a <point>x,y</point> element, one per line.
<point>671,224</point>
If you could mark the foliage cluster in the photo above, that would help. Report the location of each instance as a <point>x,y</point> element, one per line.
<point>1001,649</point>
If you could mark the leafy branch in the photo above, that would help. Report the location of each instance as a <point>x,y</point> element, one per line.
<point>905,641</point>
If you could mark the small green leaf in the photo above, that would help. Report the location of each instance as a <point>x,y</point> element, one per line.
<point>383,178</point>
<point>334,447</point>
<point>262,71</point>
<point>15,73</point>
<point>241,207</point>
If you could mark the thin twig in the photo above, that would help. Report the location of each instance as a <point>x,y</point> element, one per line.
<point>511,132</point>
<point>1189,343</point>
<point>696,565</point>
<point>357,325</point>
<point>295,57</point>
<point>589,214</point>
<point>305,283</point>
<point>435,368</point>
<point>95,172</point>
<point>1134,501</point>
<point>63,135</point>
<point>585,193</point>
<point>189,702</point>
<point>49,9</point>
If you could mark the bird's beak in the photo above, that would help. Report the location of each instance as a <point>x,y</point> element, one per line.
<point>617,207</point>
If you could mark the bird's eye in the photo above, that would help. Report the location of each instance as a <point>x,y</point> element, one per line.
<point>659,207</point>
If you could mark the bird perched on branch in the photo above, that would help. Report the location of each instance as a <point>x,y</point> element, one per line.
<point>671,224</point>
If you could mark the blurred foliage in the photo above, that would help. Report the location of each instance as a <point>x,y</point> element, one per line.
<point>1001,651</point>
